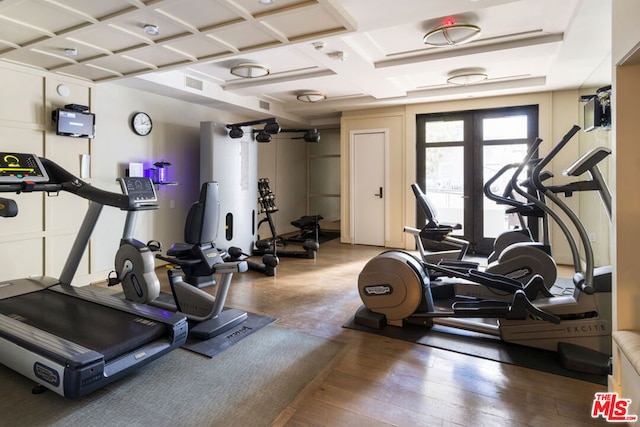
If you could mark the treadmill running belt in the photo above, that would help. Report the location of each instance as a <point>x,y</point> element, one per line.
<point>106,330</point>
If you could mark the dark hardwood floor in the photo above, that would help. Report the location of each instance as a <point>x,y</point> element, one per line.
<point>378,381</point>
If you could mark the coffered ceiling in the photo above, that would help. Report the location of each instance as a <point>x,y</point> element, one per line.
<point>358,53</point>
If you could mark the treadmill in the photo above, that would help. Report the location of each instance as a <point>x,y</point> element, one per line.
<point>68,339</point>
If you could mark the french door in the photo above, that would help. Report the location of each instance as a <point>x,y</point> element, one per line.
<point>457,153</point>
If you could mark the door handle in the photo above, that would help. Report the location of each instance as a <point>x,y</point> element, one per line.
<point>379,194</point>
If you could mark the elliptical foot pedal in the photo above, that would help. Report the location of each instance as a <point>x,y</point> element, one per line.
<point>369,319</point>
<point>583,359</point>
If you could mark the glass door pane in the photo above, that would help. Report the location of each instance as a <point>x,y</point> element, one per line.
<point>495,219</point>
<point>445,183</point>
<point>457,153</point>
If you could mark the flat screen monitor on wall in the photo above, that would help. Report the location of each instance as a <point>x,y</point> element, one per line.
<point>74,123</point>
<point>596,115</point>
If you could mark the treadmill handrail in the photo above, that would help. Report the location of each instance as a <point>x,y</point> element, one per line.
<point>61,179</point>
<point>75,185</point>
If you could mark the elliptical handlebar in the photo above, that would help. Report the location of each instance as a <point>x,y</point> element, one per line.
<point>537,170</point>
<point>527,160</point>
<point>512,184</point>
<point>583,282</point>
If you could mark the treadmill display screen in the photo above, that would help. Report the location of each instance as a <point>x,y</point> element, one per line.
<point>20,167</point>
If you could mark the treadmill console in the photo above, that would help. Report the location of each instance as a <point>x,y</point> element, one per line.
<point>140,189</point>
<point>21,167</point>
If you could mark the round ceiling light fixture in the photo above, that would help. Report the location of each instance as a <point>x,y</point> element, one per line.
<point>311,96</point>
<point>249,70</point>
<point>151,30</point>
<point>467,76</point>
<point>266,1</point>
<point>451,33</point>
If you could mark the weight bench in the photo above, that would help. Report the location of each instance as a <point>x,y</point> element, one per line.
<point>309,226</point>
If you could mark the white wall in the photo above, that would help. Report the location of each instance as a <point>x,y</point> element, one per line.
<point>175,138</point>
<point>284,162</point>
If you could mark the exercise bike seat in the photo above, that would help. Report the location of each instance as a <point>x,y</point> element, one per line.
<point>198,255</point>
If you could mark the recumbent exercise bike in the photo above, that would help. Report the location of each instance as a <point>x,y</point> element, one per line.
<point>197,260</point>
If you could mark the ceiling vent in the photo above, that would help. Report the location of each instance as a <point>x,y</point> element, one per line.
<point>193,83</point>
<point>265,105</point>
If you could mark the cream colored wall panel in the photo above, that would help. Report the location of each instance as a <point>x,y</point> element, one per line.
<point>67,151</point>
<point>57,248</point>
<point>22,140</point>
<point>29,219</point>
<point>22,97</point>
<point>21,258</point>
<point>627,205</point>
<point>64,211</point>
<point>290,186</point>
<point>30,213</point>
<point>60,93</point>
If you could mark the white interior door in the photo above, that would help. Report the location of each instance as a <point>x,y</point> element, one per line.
<point>368,185</point>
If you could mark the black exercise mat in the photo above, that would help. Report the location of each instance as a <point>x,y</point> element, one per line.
<point>326,236</point>
<point>480,345</point>
<point>220,343</point>
<point>323,237</point>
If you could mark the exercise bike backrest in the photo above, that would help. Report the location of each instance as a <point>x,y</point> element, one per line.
<point>436,230</point>
<point>198,254</point>
<point>203,219</point>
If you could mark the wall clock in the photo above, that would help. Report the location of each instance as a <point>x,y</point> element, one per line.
<point>141,123</point>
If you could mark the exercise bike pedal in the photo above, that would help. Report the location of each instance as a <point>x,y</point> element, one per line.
<point>154,245</point>
<point>113,279</point>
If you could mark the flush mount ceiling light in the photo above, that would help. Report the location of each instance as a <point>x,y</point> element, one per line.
<point>266,1</point>
<point>451,33</point>
<point>311,97</point>
<point>467,76</point>
<point>151,30</point>
<point>71,51</point>
<point>249,70</point>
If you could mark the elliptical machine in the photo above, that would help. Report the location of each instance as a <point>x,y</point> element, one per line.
<point>198,260</point>
<point>520,208</point>
<point>521,261</point>
<point>395,288</point>
<point>516,255</point>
